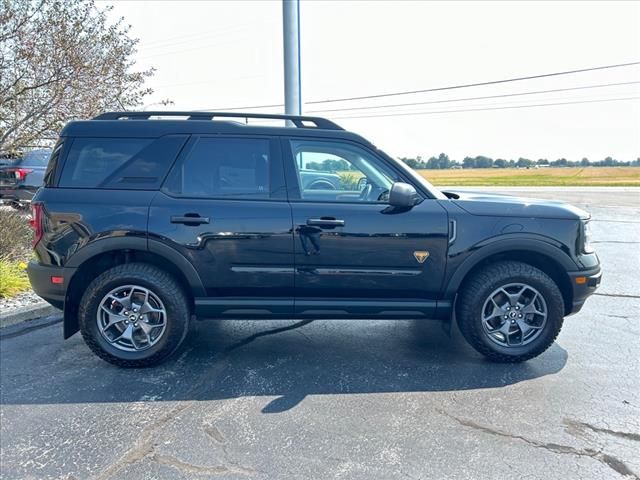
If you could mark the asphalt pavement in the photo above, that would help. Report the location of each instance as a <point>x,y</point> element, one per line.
<point>342,399</point>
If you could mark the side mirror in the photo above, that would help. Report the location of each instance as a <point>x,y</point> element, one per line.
<point>403,195</point>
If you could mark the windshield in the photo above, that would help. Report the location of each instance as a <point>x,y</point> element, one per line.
<point>415,176</point>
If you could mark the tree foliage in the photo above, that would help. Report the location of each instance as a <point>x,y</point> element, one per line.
<point>61,60</point>
<point>443,161</point>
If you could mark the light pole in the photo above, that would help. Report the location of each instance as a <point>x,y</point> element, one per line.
<point>291,43</point>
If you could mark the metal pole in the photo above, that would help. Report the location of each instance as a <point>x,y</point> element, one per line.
<point>291,43</point>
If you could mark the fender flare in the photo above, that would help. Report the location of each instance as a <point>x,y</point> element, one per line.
<point>70,319</point>
<point>141,243</point>
<point>496,245</point>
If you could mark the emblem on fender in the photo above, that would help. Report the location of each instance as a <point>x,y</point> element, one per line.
<point>421,255</point>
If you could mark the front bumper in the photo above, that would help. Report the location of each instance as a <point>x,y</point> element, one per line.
<point>584,283</point>
<point>40,277</point>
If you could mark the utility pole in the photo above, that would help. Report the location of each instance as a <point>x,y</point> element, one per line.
<point>291,43</point>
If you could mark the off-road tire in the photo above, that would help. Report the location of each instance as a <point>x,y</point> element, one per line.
<point>477,289</point>
<point>148,276</point>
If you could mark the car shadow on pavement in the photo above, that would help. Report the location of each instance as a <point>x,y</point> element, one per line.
<point>288,360</point>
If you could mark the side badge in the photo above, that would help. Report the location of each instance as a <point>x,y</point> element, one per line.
<point>421,255</point>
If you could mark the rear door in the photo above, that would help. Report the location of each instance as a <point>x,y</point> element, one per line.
<point>224,207</point>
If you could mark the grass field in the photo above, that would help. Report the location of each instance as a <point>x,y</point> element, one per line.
<point>564,177</point>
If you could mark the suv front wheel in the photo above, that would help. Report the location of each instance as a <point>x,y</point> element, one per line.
<point>134,315</point>
<point>510,311</point>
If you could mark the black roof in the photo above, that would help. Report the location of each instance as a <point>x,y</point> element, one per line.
<point>156,124</point>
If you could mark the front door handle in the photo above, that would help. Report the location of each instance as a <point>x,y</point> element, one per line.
<point>325,222</point>
<point>190,219</point>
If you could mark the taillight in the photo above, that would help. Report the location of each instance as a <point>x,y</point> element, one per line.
<point>21,173</point>
<point>37,218</point>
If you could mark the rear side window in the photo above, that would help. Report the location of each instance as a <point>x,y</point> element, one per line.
<point>223,167</point>
<point>120,163</point>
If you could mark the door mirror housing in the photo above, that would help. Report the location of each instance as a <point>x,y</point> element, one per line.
<point>403,195</point>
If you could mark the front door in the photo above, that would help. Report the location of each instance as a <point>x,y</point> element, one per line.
<point>355,255</point>
<point>224,207</point>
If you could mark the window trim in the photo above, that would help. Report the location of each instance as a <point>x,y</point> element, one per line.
<point>275,169</point>
<point>293,182</point>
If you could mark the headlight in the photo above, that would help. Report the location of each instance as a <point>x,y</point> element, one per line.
<point>587,237</point>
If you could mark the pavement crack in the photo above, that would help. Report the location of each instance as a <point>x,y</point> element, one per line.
<point>143,446</point>
<point>215,434</point>
<point>612,462</point>
<point>615,241</point>
<point>586,426</point>
<point>192,469</point>
<point>616,295</point>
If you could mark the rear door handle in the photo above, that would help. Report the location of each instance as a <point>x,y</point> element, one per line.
<point>325,222</point>
<point>189,219</point>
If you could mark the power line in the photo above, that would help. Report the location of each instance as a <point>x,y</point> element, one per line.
<point>229,109</point>
<point>484,108</point>
<point>478,84</point>
<point>437,89</point>
<point>474,98</point>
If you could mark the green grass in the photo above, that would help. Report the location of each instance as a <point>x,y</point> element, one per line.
<point>536,177</point>
<point>13,278</point>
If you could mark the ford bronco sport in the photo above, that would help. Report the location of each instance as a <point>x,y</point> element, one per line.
<point>149,219</point>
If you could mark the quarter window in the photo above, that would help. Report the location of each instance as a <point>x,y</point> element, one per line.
<point>120,163</point>
<point>223,167</point>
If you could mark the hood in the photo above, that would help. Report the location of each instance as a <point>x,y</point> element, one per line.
<point>497,205</point>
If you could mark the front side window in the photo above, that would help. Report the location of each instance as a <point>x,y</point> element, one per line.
<point>340,172</point>
<point>223,167</point>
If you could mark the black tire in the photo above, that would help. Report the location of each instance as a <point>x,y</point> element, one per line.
<point>479,287</point>
<point>163,285</point>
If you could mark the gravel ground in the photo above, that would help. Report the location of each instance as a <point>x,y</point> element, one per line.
<point>24,299</point>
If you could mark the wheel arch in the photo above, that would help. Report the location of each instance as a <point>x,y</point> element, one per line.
<point>548,258</point>
<point>97,258</point>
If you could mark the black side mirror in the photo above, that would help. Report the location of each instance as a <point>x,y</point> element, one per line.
<point>403,195</point>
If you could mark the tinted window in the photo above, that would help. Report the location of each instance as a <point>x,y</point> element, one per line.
<point>223,167</point>
<point>127,163</point>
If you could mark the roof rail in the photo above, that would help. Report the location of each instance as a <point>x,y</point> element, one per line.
<point>297,120</point>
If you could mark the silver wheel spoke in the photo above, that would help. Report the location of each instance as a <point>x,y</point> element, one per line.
<point>114,319</point>
<point>125,335</point>
<point>132,318</point>
<point>522,314</point>
<point>147,308</point>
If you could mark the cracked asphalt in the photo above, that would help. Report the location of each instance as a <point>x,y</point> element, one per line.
<point>340,399</point>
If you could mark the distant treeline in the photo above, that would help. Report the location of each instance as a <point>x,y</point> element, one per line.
<point>443,161</point>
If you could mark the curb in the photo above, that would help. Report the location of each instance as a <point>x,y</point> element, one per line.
<point>24,314</point>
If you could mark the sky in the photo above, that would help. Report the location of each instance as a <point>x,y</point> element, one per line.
<point>218,55</point>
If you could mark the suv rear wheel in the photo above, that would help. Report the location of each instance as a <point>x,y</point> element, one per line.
<point>134,315</point>
<point>510,311</point>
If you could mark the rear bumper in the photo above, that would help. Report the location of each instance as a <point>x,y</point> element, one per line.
<point>41,283</point>
<point>584,283</point>
<point>16,194</point>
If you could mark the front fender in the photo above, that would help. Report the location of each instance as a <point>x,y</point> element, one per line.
<point>508,243</point>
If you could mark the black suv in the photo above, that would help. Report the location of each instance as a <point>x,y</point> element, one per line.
<point>149,219</point>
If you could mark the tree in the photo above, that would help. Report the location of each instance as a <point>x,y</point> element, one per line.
<point>501,163</point>
<point>61,60</point>
<point>468,162</point>
<point>524,162</point>
<point>483,162</point>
